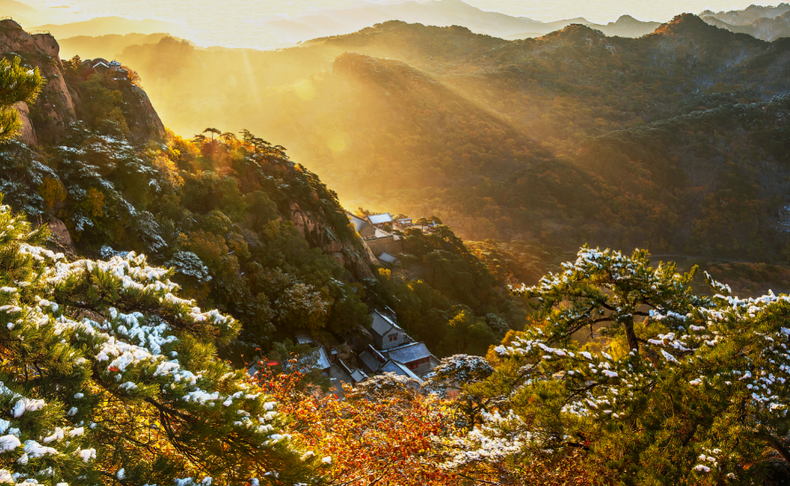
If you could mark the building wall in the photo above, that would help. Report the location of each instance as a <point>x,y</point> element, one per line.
<point>368,230</point>
<point>376,339</point>
<point>388,244</point>
<point>422,369</point>
<point>385,343</point>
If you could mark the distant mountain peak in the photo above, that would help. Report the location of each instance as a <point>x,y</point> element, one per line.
<point>576,33</point>
<point>627,19</point>
<point>686,20</point>
<point>685,24</point>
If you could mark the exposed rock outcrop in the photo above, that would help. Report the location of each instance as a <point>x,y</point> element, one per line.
<point>27,134</point>
<point>58,105</point>
<point>144,123</point>
<point>321,235</point>
<point>61,237</point>
<point>54,107</point>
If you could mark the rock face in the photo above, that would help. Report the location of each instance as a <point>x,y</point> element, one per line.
<point>27,133</point>
<point>320,235</point>
<point>61,237</point>
<point>55,106</point>
<point>142,118</point>
<point>58,105</point>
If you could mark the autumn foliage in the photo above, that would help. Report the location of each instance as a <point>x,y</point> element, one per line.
<point>387,438</point>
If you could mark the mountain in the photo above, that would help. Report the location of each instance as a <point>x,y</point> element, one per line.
<point>104,46</point>
<point>245,229</point>
<point>748,15</point>
<point>102,26</point>
<point>32,12</point>
<point>765,28</point>
<point>442,13</point>
<point>506,139</point>
<point>677,141</point>
<point>766,23</point>
<point>625,26</point>
<point>435,12</point>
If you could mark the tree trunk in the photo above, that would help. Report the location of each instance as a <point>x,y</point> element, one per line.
<point>776,444</point>
<point>628,326</point>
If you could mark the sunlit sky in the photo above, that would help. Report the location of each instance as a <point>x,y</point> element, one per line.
<point>598,11</point>
<point>216,20</point>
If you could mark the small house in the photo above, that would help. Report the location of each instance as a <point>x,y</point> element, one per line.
<point>379,220</point>
<point>362,226</point>
<point>121,74</point>
<point>355,374</point>
<point>372,359</point>
<point>322,361</point>
<point>304,338</point>
<point>415,356</point>
<point>100,66</point>
<point>404,223</point>
<point>386,334</point>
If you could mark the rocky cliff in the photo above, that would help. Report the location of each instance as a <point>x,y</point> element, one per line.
<point>99,95</point>
<point>61,100</point>
<point>352,254</point>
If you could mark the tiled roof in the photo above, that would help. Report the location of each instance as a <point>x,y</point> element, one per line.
<point>409,352</point>
<point>370,361</point>
<point>382,324</point>
<point>386,257</point>
<point>358,222</point>
<point>380,218</point>
<point>323,359</point>
<point>358,375</point>
<point>304,338</point>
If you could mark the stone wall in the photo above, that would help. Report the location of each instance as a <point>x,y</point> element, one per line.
<point>389,244</point>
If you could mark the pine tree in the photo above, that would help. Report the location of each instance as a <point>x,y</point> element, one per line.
<point>671,388</point>
<point>108,377</point>
<point>16,84</point>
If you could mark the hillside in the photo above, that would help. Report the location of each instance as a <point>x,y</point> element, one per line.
<point>502,138</point>
<point>748,15</point>
<point>440,13</point>
<point>247,230</point>
<point>261,27</point>
<point>104,46</point>
<point>102,26</point>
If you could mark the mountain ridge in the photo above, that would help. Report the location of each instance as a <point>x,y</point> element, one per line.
<point>477,117</point>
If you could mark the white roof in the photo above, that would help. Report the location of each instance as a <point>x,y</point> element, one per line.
<point>358,375</point>
<point>381,233</point>
<point>382,324</point>
<point>380,218</point>
<point>358,222</point>
<point>409,352</point>
<point>304,338</point>
<point>386,257</point>
<point>323,359</point>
